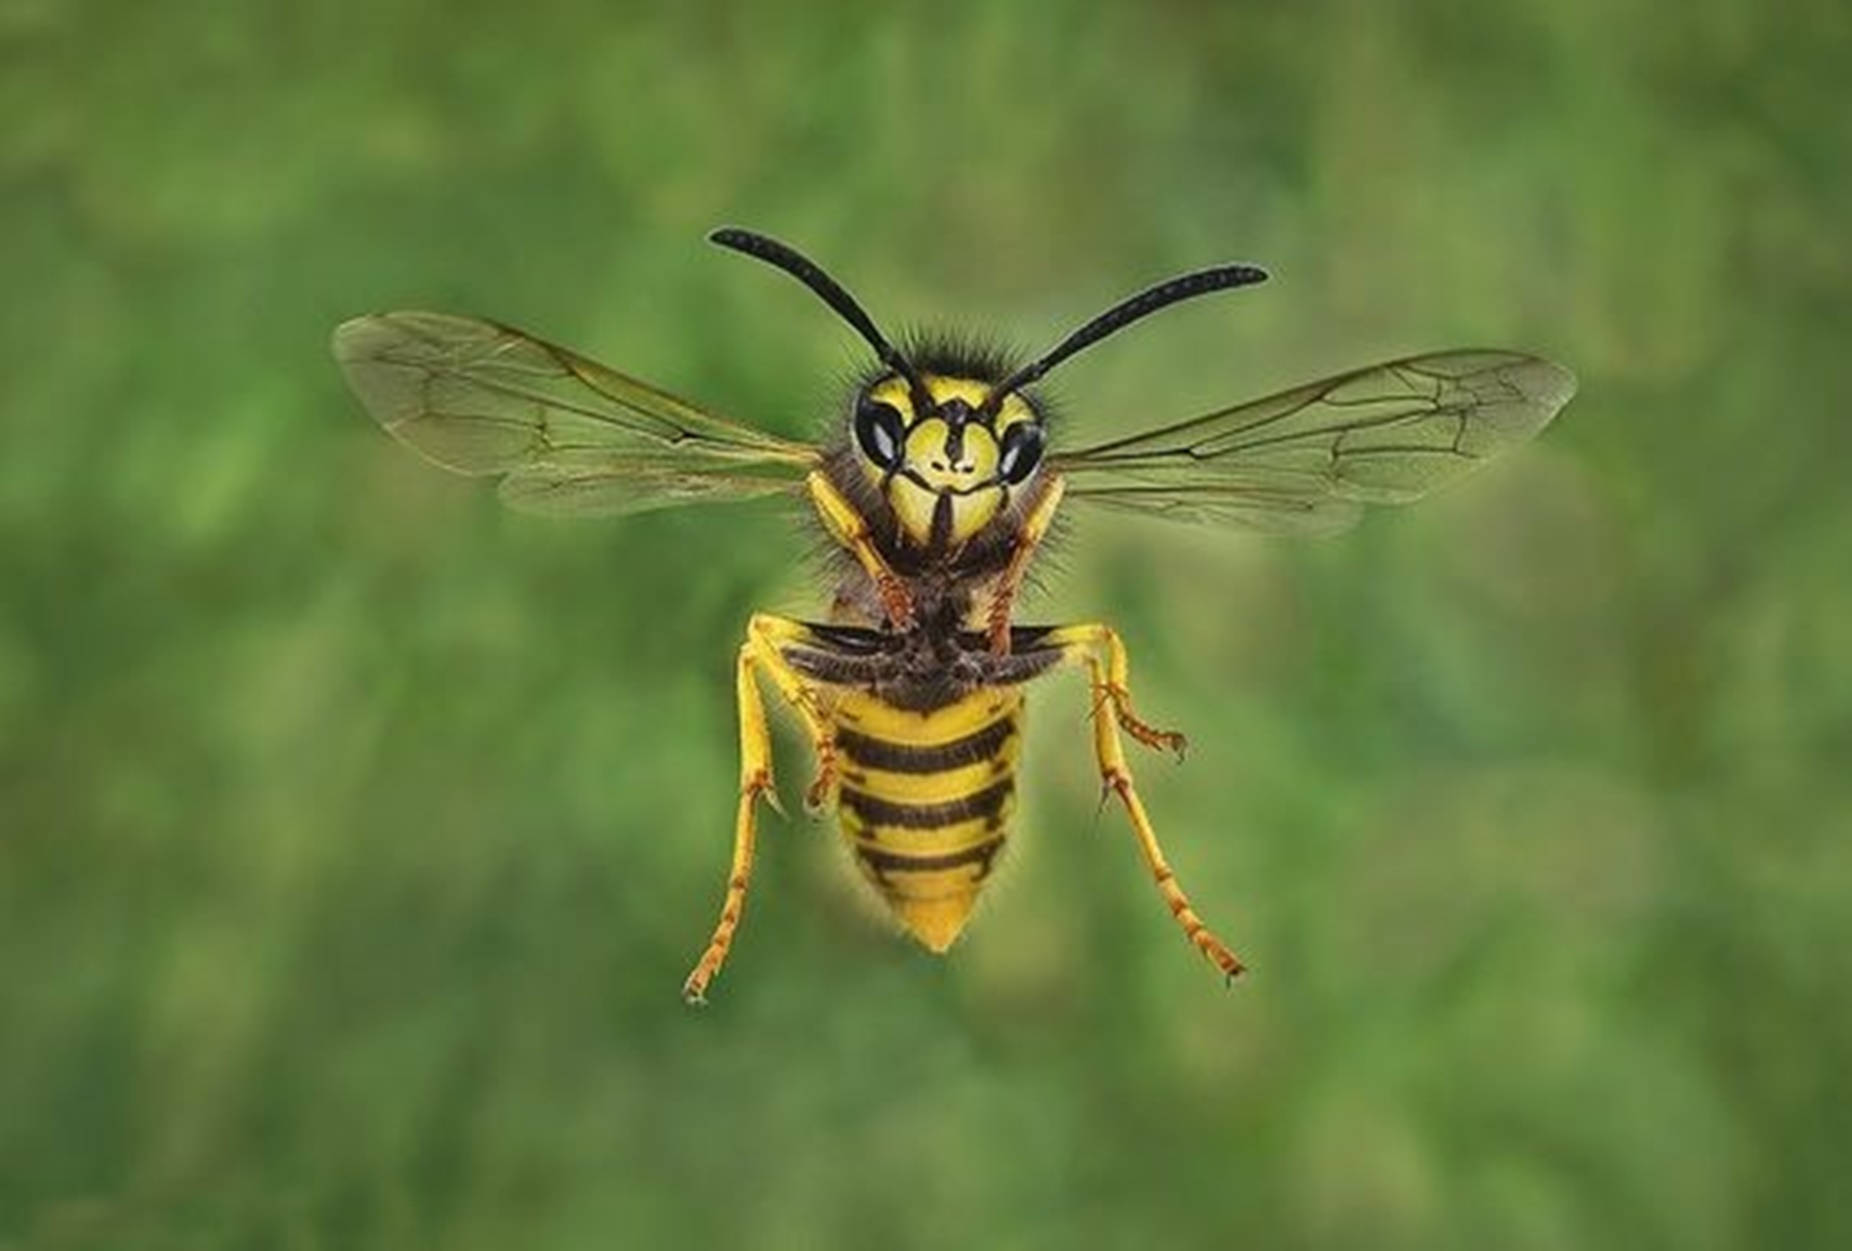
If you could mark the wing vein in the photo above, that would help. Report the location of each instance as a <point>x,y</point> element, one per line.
<point>1311,456</point>
<point>561,431</point>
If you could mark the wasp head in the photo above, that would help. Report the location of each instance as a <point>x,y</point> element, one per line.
<point>945,454</point>
<point>944,448</point>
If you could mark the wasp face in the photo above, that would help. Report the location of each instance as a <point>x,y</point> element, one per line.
<point>949,470</point>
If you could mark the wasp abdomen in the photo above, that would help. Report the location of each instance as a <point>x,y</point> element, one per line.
<point>926,799</point>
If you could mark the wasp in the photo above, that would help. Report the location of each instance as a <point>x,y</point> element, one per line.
<point>936,487</point>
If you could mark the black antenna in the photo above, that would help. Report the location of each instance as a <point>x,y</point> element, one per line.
<point>1123,314</point>
<point>808,272</point>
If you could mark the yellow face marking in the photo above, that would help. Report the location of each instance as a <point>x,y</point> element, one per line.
<point>935,466</point>
<point>929,454</point>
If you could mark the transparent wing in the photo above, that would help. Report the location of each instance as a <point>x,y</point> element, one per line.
<point>1308,460</point>
<point>566,434</point>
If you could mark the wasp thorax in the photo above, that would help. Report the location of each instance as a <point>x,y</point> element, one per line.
<point>946,468</point>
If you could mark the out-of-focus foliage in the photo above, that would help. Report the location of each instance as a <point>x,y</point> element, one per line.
<point>357,835</point>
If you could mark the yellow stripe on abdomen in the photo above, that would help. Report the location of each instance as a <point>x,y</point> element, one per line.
<point>926,799</point>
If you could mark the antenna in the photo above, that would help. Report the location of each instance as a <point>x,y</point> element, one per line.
<point>761,247</point>
<point>1123,314</point>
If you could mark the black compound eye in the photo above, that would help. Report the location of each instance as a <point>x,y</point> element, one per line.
<point>879,432</point>
<point>1020,453</point>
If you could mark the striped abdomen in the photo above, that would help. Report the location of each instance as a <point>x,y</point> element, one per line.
<point>925,801</point>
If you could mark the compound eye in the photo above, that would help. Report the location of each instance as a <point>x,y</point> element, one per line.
<point>1020,453</point>
<point>879,432</point>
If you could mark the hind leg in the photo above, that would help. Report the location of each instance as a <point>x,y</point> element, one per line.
<point>1098,648</point>
<point>762,654</point>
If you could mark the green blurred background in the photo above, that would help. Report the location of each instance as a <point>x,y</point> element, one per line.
<point>357,834</point>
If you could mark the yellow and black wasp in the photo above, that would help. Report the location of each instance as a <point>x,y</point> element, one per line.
<point>936,486</point>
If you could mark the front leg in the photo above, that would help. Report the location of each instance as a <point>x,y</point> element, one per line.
<point>1034,529</point>
<point>849,528</point>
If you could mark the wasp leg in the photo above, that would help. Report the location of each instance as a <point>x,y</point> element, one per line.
<point>1083,645</point>
<point>755,780</point>
<point>849,528</point>
<point>1110,685</point>
<point>760,652</point>
<point>775,640</point>
<point>1003,599</point>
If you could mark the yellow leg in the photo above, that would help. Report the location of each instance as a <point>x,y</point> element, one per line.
<point>760,652</point>
<point>1003,600</point>
<point>768,635</point>
<point>848,528</point>
<point>1083,644</point>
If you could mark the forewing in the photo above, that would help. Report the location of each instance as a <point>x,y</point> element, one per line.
<point>1310,459</point>
<point>566,434</point>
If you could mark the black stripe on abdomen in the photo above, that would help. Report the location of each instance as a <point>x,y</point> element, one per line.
<point>884,862</point>
<point>878,753</point>
<point>979,805</point>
